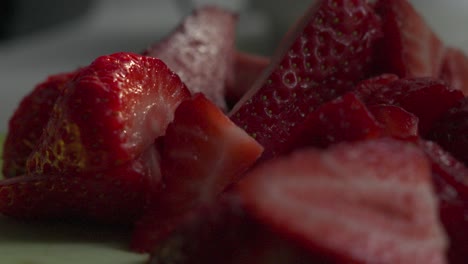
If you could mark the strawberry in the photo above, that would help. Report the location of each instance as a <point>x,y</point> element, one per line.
<point>363,202</point>
<point>367,87</point>
<point>112,196</point>
<point>247,69</point>
<point>409,47</point>
<point>451,184</point>
<point>451,131</point>
<point>200,50</point>
<point>455,69</point>
<point>396,122</point>
<point>327,52</point>
<point>108,114</point>
<point>343,119</point>
<point>28,121</point>
<point>427,98</point>
<point>203,153</point>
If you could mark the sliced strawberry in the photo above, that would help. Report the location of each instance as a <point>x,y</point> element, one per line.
<point>326,53</point>
<point>455,69</point>
<point>451,184</point>
<point>451,131</point>
<point>108,115</point>
<point>374,84</point>
<point>203,153</point>
<point>200,50</point>
<point>29,119</point>
<point>343,119</point>
<point>396,122</point>
<point>247,69</point>
<point>115,196</point>
<point>366,202</point>
<point>409,47</point>
<point>427,98</point>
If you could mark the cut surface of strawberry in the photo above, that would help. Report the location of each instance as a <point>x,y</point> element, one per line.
<point>203,153</point>
<point>396,122</point>
<point>200,50</point>
<point>409,47</point>
<point>108,114</point>
<point>451,131</point>
<point>363,202</point>
<point>326,53</point>
<point>455,69</point>
<point>29,119</point>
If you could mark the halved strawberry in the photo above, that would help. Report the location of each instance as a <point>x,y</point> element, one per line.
<point>27,122</point>
<point>343,119</point>
<point>366,202</point>
<point>108,114</point>
<point>200,50</point>
<point>203,153</point>
<point>427,98</point>
<point>325,54</point>
<point>455,69</point>
<point>409,47</point>
<point>396,121</point>
<point>113,196</point>
<point>451,184</point>
<point>451,131</point>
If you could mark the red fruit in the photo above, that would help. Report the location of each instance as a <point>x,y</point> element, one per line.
<point>409,47</point>
<point>200,50</point>
<point>396,122</point>
<point>247,69</point>
<point>455,69</point>
<point>368,87</point>
<point>451,184</point>
<point>112,196</point>
<point>327,52</point>
<point>203,153</point>
<point>108,115</point>
<point>451,131</point>
<point>343,119</point>
<point>427,98</point>
<point>366,202</point>
<point>28,121</point>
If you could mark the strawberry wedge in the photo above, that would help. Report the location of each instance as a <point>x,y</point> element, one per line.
<point>200,50</point>
<point>327,52</point>
<point>367,202</point>
<point>108,114</point>
<point>203,153</point>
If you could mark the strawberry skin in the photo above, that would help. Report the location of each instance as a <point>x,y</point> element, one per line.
<point>409,47</point>
<point>26,125</point>
<point>455,69</point>
<point>108,114</point>
<point>200,50</point>
<point>352,202</point>
<point>203,152</point>
<point>325,55</point>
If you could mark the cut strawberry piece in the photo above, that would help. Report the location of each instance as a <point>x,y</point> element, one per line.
<point>409,47</point>
<point>108,115</point>
<point>455,69</point>
<point>200,50</point>
<point>203,153</point>
<point>26,125</point>
<point>369,86</point>
<point>451,131</point>
<point>247,69</point>
<point>366,202</point>
<point>396,122</point>
<point>326,54</point>
<point>113,196</point>
<point>451,183</point>
<point>343,119</point>
<point>427,98</point>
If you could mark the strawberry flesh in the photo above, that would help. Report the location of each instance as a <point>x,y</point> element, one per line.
<point>455,69</point>
<point>352,202</point>
<point>396,122</point>
<point>327,52</point>
<point>200,50</point>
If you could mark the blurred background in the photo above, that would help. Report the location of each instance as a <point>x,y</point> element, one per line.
<point>40,38</point>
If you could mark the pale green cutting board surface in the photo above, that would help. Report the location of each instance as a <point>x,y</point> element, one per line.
<point>55,243</point>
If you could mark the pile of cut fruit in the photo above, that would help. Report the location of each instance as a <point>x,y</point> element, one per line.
<point>349,145</point>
